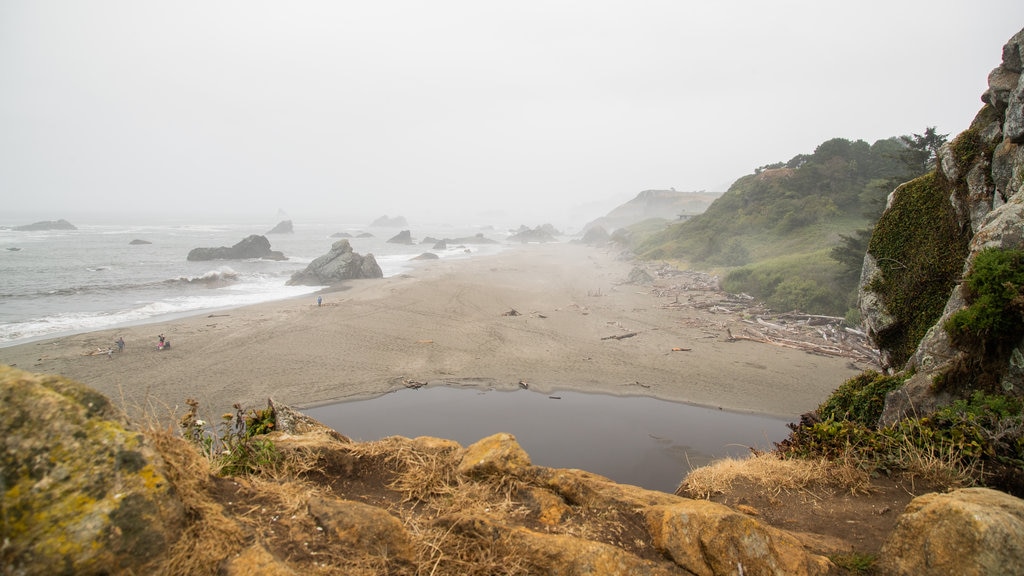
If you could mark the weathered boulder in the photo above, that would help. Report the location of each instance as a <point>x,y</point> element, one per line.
<point>498,454</point>
<point>403,237</point>
<point>363,527</point>
<point>82,493</point>
<point>47,225</point>
<point>707,538</point>
<point>387,222</point>
<point>972,532</point>
<point>282,227</point>
<point>253,246</point>
<point>339,264</point>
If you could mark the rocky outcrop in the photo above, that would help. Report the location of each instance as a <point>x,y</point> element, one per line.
<point>973,532</point>
<point>250,247</point>
<point>929,236</point>
<point>339,264</point>
<point>403,237</point>
<point>542,234</point>
<point>595,235</point>
<point>283,227</point>
<point>388,222</point>
<point>47,225</point>
<point>82,493</point>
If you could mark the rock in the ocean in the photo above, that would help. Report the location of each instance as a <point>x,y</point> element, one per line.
<point>386,222</point>
<point>341,263</point>
<point>426,256</point>
<point>403,237</point>
<point>137,242</point>
<point>283,227</point>
<point>251,247</point>
<point>47,225</point>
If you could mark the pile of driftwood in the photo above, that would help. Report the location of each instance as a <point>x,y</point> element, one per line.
<point>744,318</point>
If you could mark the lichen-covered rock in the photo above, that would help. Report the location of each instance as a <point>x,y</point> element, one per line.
<point>707,538</point>
<point>82,493</point>
<point>971,532</point>
<point>495,455</point>
<point>339,264</point>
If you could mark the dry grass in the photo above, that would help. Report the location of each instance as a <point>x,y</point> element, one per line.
<point>209,535</point>
<point>773,474</point>
<point>937,465</point>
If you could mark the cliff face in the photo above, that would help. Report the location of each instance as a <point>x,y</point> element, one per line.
<point>918,271</point>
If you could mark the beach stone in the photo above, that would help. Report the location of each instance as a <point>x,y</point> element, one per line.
<point>496,455</point>
<point>707,538</point>
<point>971,532</point>
<point>339,264</point>
<point>253,246</point>
<point>82,493</point>
<point>363,528</point>
<point>257,560</point>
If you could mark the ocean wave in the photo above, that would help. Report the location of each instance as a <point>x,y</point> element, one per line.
<point>213,279</point>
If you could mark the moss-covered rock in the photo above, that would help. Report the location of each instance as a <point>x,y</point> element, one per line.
<point>82,493</point>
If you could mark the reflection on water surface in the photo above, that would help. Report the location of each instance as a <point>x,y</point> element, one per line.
<point>630,439</point>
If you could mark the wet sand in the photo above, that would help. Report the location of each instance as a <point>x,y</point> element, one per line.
<point>449,322</point>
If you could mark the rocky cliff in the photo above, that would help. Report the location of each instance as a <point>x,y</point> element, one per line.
<point>942,288</point>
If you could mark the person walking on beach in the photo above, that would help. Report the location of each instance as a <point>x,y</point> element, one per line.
<point>319,301</point>
<point>120,344</point>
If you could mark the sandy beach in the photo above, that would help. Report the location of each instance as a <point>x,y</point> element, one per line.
<point>450,322</point>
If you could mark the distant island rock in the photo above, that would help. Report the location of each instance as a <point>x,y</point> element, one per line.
<point>339,264</point>
<point>386,222</point>
<point>341,235</point>
<point>542,233</point>
<point>253,246</point>
<point>403,237</point>
<point>46,225</point>
<point>137,242</point>
<point>478,238</point>
<point>426,256</point>
<point>283,227</point>
<point>364,235</point>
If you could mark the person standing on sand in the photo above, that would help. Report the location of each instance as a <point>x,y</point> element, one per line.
<point>120,344</point>
<point>319,301</point>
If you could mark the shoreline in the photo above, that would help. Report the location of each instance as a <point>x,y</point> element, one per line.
<point>579,327</point>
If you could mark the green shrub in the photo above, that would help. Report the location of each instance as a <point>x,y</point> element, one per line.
<point>861,398</point>
<point>994,291</point>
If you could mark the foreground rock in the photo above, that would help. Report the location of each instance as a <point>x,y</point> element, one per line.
<point>46,225</point>
<point>340,264</point>
<point>83,494</point>
<point>254,246</point>
<point>972,532</point>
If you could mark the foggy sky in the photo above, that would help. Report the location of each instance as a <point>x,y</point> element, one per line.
<point>539,111</point>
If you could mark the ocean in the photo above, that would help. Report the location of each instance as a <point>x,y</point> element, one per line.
<point>55,283</point>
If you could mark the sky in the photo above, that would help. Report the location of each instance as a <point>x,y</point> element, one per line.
<point>457,111</point>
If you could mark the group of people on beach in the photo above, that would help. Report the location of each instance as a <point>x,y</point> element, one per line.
<point>163,344</point>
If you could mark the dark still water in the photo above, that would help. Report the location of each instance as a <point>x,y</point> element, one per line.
<point>632,440</point>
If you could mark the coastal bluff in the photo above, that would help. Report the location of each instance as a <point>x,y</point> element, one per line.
<point>88,491</point>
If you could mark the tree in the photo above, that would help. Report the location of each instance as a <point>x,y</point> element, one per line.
<point>922,150</point>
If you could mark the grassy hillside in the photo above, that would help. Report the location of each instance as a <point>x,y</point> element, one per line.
<point>773,231</point>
